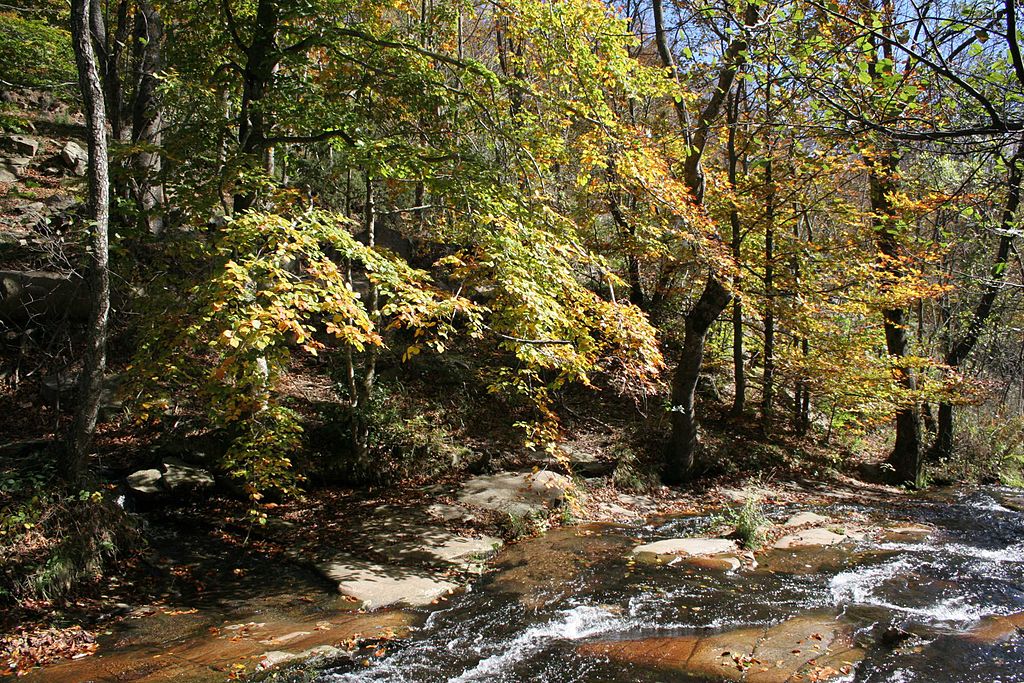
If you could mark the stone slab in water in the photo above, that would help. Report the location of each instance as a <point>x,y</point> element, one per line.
<point>996,629</point>
<point>796,649</point>
<point>519,494</point>
<point>410,535</point>
<point>815,537</point>
<point>376,585</point>
<point>716,554</point>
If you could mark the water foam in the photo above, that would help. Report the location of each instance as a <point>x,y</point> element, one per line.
<point>579,622</point>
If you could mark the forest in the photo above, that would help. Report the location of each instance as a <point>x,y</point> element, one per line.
<point>511,340</point>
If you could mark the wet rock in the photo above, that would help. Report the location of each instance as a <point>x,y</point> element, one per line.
<point>810,647</point>
<point>906,532</point>
<point>546,569</point>
<point>717,554</point>
<point>179,477</point>
<point>815,537</point>
<point>75,158</point>
<point>519,494</point>
<point>807,518</point>
<point>145,482</point>
<point>376,585</point>
<point>996,629</point>
<point>274,658</point>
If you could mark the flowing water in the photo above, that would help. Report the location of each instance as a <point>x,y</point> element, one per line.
<point>912,605</point>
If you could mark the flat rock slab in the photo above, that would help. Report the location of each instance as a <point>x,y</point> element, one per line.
<point>411,536</point>
<point>810,647</point>
<point>689,546</point>
<point>519,494</point>
<point>717,554</point>
<point>815,537</point>
<point>807,518</point>
<point>376,585</point>
<point>181,477</point>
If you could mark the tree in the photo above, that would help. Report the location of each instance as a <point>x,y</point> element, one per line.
<point>95,355</point>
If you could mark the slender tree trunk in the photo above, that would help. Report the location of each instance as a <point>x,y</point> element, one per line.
<point>364,386</point>
<point>739,370</point>
<point>768,384</point>
<point>962,347</point>
<point>147,120</point>
<point>95,356</point>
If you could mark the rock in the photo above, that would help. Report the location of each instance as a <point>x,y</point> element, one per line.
<point>996,629</point>
<point>22,145</point>
<point>274,658</point>
<point>61,203</point>
<point>717,554</point>
<point>7,175</point>
<point>75,158</point>
<point>805,518</point>
<point>519,494</point>
<point>796,649</point>
<point>146,482</point>
<point>906,532</point>
<point>376,585</point>
<point>19,165</point>
<point>59,386</point>
<point>815,537</point>
<point>450,513</point>
<point>179,477</point>
<point>39,293</point>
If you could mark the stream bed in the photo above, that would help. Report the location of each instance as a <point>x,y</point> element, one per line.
<point>574,605</point>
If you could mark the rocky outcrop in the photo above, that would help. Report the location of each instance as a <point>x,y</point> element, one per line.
<point>29,294</point>
<point>810,647</point>
<point>518,494</point>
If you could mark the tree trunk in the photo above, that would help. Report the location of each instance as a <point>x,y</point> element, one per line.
<point>147,120</point>
<point>905,458</point>
<point>768,384</point>
<point>739,370</point>
<point>683,445</point>
<point>716,296</point>
<point>95,356</point>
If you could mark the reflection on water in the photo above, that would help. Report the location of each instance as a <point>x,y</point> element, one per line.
<point>526,623</point>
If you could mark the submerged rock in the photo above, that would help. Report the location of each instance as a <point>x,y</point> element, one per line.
<point>996,629</point>
<point>810,647</point>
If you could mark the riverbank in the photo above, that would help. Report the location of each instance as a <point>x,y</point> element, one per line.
<point>340,573</point>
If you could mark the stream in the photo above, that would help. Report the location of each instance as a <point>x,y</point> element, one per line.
<point>915,609</point>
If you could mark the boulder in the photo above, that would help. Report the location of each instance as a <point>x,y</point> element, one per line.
<point>375,585</point>
<point>22,145</point>
<point>19,165</point>
<point>146,482</point>
<point>75,158</point>
<point>34,293</point>
<point>180,478</point>
<point>519,494</point>
<point>7,175</point>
